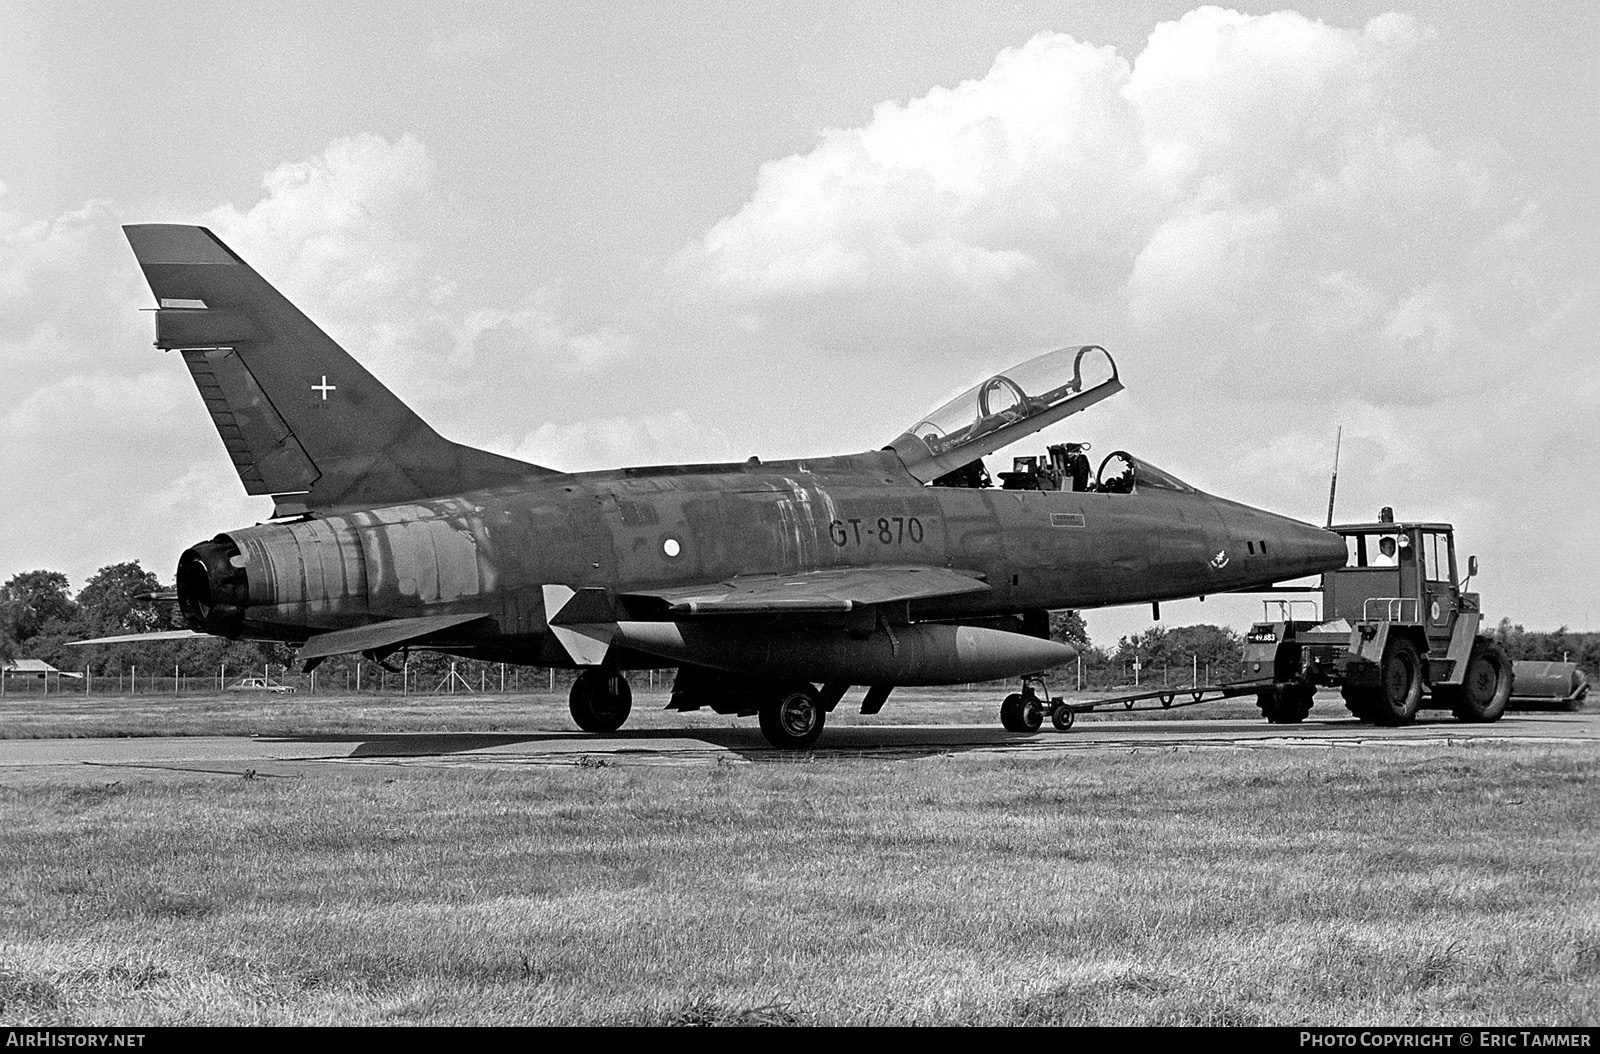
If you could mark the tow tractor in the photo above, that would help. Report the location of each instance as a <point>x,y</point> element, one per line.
<point>1397,633</point>
<point>1400,634</point>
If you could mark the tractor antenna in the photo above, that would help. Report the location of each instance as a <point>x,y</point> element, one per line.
<point>1333,486</point>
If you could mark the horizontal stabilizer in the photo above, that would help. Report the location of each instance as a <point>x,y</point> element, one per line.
<point>835,589</point>
<point>382,635</point>
<point>140,638</point>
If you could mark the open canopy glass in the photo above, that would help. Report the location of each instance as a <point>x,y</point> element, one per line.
<point>1006,407</point>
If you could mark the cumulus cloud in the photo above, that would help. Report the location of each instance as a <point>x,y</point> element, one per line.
<point>1245,190</point>
<point>1245,180</point>
<point>354,236</point>
<point>956,203</point>
<point>343,228</point>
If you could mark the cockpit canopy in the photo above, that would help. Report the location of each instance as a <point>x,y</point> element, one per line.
<point>1065,466</point>
<point>1006,407</point>
<point>1122,473</point>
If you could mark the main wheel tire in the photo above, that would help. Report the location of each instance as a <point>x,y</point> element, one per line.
<point>793,718</point>
<point>1062,716</point>
<point>1011,713</point>
<point>1487,686</point>
<point>1399,691</point>
<point>1287,703</point>
<point>600,700</point>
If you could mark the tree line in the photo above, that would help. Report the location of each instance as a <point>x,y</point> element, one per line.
<point>39,615</point>
<point>1177,655</point>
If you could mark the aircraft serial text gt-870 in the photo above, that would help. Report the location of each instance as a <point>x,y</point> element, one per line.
<point>772,587</point>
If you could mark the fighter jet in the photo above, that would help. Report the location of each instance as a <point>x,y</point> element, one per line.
<point>773,587</point>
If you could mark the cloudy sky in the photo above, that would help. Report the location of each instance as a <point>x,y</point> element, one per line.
<point>608,232</point>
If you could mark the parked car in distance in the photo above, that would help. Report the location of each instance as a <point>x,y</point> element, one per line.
<point>260,684</point>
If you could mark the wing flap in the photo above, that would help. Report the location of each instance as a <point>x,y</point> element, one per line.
<point>831,590</point>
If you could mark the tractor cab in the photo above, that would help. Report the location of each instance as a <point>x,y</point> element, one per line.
<point>1398,572</point>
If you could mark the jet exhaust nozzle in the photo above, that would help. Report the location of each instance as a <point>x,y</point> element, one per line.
<point>212,590</point>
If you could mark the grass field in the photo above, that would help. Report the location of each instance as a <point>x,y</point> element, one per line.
<point>1364,885</point>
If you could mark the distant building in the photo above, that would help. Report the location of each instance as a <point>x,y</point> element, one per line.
<point>31,669</point>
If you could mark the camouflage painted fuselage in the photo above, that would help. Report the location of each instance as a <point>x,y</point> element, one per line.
<point>631,531</point>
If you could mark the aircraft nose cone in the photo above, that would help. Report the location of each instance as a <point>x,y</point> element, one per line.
<point>1326,548</point>
<point>1284,548</point>
<point>1308,550</point>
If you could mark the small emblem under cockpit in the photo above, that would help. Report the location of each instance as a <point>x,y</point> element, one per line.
<point>1220,560</point>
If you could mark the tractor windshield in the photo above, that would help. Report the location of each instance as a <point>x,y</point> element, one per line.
<point>1007,407</point>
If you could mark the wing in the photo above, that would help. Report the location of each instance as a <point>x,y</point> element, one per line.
<point>139,638</point>
<point>834,589</point>
<point>586,624</point>
<point>380,636</point>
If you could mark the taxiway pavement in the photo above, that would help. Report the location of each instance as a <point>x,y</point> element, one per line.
<point>390,754</point>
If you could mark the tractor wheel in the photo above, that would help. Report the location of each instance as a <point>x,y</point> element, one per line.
<point>1399,691</point>
<point>1287,703</point>
<point>600,701</point>
<point>1487,685</point>
<point>793,718</point>
<point>1359,701</point>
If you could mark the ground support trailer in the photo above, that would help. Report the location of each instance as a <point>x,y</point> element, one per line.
<point>1026,710</point>
<point>1548,686</point>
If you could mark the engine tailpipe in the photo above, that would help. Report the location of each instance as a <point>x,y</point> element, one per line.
<point>212,589</point>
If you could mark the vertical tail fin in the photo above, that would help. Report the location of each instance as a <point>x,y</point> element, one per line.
<point>301,419</point>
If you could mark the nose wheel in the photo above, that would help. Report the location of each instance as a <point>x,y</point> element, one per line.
<point>1024,712</point>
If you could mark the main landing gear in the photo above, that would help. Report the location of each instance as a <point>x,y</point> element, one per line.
<point>792,716</point>
<point>601,700</point>
<point>792,713</point>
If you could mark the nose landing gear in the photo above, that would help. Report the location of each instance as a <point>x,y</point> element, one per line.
<point>1025,711</point>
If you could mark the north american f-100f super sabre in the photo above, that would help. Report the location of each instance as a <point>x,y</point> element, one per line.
<point>773,587</point>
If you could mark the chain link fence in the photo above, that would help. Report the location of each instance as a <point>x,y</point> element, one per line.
<point>1094,673</point>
